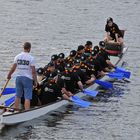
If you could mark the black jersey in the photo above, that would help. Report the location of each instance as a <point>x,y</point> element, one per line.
<point>69,80</point>
<point>60,66</point>
<point>78,56</point>
<point>47,73</point>
<point>87,69</point>
<point>114,29</point>
<point>95,65</point>
<point>50,93</point>
<point>69,59</point>
<point>102,61</point>
<point>81,74</point>
<point>104,54</point>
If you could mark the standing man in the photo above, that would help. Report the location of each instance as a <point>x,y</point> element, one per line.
<point>26,74</point>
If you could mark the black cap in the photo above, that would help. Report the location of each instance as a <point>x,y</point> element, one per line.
<point>109,19</point>
<point>40,71</point>
<point>53,74</point>
<point>102,44</point>
<point>73,53</point>
<point>94,52</point>
<point>68,65</point>
<point>54,57</point>
<point>83,57</point>
<point>77,61</point>
<point>88,43</point>
<point>61,55</point>
<point>80,47</point>
<point>96,48</point>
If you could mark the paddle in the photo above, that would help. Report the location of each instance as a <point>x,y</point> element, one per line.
<point>126,73</point>
<point>104,84</point>
<point>80,102</point>
<point>89,92</point>
<point>120,68</point>
<point>116,75</point>
<point>9,91</point>
<point>9,101</point>
<point>4,87</point>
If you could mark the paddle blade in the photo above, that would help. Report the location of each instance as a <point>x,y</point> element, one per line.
<point>104,84</point>
<point>9,101</point>
<point>120,69</point>
<point>80,102</point>
<point>91,93</point>
<point>126,73</point>
<point>9,91</point>
<point>116,75</point>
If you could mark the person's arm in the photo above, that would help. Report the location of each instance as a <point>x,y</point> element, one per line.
<point>80,85</point>
<point>117,30</point>
<point>107,33</point>
<point>78,81</point>
<point>110,64</point>
<point>101,73</point>
<point>34,75</point>
<point>91,80</point>
<point>116,36</point>
<point>13,68</point>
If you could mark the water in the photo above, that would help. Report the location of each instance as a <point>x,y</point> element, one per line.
<point>54,26</point>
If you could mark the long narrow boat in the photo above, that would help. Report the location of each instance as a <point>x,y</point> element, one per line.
<point>9,118</point>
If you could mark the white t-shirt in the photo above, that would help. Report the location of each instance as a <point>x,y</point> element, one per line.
<point>24,62</point>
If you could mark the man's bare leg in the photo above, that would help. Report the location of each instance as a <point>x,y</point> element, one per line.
<point>27,104</point>
<point>17,100</point>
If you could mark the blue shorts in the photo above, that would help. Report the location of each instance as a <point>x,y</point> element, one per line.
<point>24,86</point>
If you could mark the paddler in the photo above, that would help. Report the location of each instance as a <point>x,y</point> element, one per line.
<point>71,57</point>
<point>105,54</point>
<point>60,65</point>
<point>70,81</point>
<point>88,46</point>
<point>95,64</point>
<point>87,69</point>
<point>50,90</point>
<point>80,51</point>
<point>81,74</point>
<point>101,60</point>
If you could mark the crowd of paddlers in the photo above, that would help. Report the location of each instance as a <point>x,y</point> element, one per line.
<point>64,76</point>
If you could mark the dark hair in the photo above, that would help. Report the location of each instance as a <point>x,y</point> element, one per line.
<point>109,19</point>
<point>88,43</point>
<point>27,46</point>
<point>80,47</point>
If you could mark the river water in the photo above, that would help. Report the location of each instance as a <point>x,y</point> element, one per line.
<point>54,26</point>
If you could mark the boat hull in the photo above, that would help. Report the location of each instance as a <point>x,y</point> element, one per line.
<point>9,118</point>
